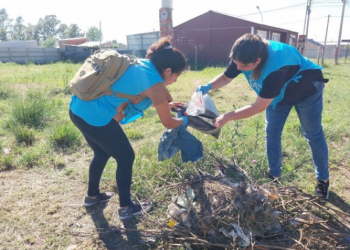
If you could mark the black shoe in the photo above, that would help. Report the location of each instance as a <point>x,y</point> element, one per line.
<point>101,197</point>
<point>322,189</point>
<point>134,209</point>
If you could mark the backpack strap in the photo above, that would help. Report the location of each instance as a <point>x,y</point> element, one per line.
<point>132,98</point>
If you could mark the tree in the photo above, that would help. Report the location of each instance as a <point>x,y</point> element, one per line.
<point>32,32</point>
<point>48,26</point>
<point>94,34</point>
<point>49,42</point>
<point>62,31</point>
<point>5,25</point>
<point>74,31</point>
<point>18,30</point>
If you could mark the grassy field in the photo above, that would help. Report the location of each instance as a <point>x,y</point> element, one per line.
<point>44,159</point>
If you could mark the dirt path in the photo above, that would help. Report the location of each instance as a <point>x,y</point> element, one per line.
<point>42,209</point>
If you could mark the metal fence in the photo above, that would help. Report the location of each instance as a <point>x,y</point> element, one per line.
<point>26,55</point>
<point>328,54</point>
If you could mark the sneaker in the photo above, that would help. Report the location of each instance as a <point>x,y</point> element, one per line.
<point>322,189</point>
<point>101,197</point>
<point>134,209</point>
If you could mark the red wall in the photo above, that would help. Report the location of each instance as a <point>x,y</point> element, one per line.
<point>214,34</point>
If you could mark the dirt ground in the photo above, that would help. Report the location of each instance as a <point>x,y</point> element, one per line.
<point>42,209</point>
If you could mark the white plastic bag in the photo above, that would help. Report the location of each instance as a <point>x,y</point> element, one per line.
<point>196,106</point>
<point>201,104</point>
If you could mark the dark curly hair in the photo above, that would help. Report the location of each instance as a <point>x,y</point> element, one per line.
<point>164,56</point>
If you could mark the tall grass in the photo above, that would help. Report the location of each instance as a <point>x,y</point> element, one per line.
<point>32,110</point>
<point>65,135</point>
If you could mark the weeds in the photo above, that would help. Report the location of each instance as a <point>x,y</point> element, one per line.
<point>23,134</point>
<point>32,110</point>
<point>65,135</point>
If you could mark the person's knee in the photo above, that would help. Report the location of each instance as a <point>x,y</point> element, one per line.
<point>127,158</point>
<point>313,135</point>
<point>273,134</point>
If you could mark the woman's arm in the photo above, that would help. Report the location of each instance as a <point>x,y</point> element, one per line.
<point>220,81</point>
<point>258,106</point>
<point>165,116</point>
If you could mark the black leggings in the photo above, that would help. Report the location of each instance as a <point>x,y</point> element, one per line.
<point>108,141</point>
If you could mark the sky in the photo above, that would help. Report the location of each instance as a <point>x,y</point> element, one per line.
<point>120,18</point>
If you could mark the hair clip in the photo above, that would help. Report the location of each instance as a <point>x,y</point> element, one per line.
<point>168,47</point>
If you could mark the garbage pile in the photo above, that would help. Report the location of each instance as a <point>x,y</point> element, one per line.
<point>221,211</point>
<point>212,212</point>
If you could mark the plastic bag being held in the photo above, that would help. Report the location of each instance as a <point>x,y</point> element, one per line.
<point>201,111</point>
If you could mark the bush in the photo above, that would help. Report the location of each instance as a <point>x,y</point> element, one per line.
<point>31,158</point>
<point>6,162</point>
<point>65,135</point>
<point>23,134</point>
<point>32,110</point>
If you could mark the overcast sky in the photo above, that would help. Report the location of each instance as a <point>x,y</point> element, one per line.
<point>120,18</point>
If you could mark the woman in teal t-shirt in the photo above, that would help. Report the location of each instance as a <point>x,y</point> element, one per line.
<point>99,120</point>
<point>282,79</point>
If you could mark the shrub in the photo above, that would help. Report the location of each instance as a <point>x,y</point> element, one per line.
<point>65,135</point>
<point>31,158</point>
<point>32,110</point>
<point>23,134</point>
<point>6,162</point>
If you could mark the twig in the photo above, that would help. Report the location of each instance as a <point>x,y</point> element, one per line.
<point>275,247</point>
<point>298,242</point>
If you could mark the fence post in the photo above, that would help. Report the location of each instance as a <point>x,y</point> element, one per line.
<point>10,57</point>
<point>44,55</point>
<point>27,55</point>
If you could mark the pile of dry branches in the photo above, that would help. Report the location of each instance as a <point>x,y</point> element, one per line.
<point>247,216</point>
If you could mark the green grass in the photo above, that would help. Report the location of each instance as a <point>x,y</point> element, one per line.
<point>35,125</point>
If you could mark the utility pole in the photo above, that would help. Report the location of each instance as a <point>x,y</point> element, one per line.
<point>325,40</point>
<point>100,34</point>
<point>307,7</point>
<point>340,30</point>
<point>262,19</point>
<point>308,21</point>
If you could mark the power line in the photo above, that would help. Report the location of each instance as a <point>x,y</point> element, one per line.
<point>303,20</point>
<point>271,10</point>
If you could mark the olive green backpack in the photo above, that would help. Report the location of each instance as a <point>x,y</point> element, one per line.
<point>99,72</point>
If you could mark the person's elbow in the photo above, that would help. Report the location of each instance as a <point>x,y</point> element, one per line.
<point>261,105</point>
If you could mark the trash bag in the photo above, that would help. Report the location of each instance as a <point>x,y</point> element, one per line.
<point>201,111</point>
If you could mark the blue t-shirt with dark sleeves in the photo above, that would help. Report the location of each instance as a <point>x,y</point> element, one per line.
<point>291,78</point>
<point>136,79</point>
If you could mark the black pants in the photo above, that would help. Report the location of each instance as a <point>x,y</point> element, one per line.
<point>108,141</point>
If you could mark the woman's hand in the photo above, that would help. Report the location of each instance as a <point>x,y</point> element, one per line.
<point>220,121</point>
<point>175,105</point>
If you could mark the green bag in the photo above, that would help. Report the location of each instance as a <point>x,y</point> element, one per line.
<point>99,72</point>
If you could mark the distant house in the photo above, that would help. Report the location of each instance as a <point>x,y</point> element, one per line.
<point>19,44</point>
<point>71,41</point>
<point>108,44</point>
<point>208,38</point>
<point>137,44</point>
<point>122,46</point>
<point>313,48</point>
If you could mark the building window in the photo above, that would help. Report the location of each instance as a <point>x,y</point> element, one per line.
<point>276,37</point>
<point>292,40</point>
<point>262,33</point>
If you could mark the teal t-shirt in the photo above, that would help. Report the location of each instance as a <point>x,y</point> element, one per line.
<point>136,79</point>
<point>280,55</point>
